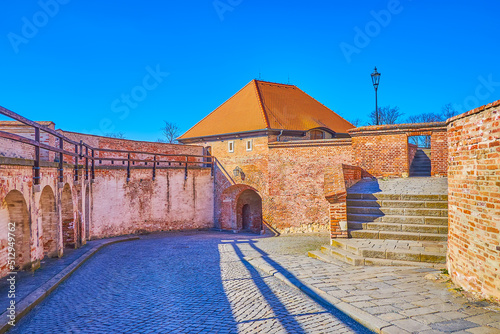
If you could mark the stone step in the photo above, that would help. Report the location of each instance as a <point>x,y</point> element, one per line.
<point>420,169</point>
<point>331,255</point>
<point>418,220</point>
<point>397,197</point>
<point>420,174</point>
<point>343,255</point>
<point>389,211</point>
<point>396,235</point>
<point>434,252</point>
<point>397,204</point>
<point>414,228</point>
<point>424,220</point>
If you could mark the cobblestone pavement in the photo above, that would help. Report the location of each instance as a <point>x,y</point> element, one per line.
<point>410,185</point>
<point>400,296</point>
<point>27,281</point>
<point>183,283</point>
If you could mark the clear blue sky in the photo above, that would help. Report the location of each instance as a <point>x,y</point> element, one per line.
<point>75,63</point>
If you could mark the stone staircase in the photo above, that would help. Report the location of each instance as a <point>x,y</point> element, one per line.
<point>387,228</point>
<point>421,164</point>
<point>398,217</point>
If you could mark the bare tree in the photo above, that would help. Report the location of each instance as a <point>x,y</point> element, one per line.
<point>171,131</point>
<point>117,135</point>
<point>425,118</point>
<point>386,115</point>
<point>448,111</point>
<point>356,122</point>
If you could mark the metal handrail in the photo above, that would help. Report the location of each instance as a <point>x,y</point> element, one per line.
<point>79,151</point>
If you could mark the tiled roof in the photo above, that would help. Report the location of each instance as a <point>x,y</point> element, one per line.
<point>264,105</point>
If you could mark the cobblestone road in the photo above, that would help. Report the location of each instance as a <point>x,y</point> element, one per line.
<point>181,283</point>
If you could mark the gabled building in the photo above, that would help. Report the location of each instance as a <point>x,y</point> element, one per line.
<point>241,134</point>
<point>278,111</point>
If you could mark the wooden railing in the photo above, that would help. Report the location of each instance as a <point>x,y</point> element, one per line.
<point>87,152</point>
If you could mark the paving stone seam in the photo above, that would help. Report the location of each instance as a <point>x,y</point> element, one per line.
<point>36,297</point>
<point>364,318</point>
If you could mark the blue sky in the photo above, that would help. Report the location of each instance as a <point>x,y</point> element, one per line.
<point>101,66</point>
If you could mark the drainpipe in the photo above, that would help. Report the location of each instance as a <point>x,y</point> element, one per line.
<point>278,138</point>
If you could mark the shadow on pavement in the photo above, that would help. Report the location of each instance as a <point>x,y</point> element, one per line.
<point>274,301</point>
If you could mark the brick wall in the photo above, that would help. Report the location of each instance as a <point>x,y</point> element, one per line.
<point>296,183</point>
<point>384,150</point>
<point>439,153</point>
<point>14,149</point>
<point>289,177</point>
<point>474,200</point>
<point>253,167</point>
<point>381,155</point>
<point>170,202</point>
<point>338,179</point>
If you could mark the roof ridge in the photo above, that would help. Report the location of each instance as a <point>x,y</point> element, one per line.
<point>273,83</point>
<point>220,106</point>
<point>261,104</point>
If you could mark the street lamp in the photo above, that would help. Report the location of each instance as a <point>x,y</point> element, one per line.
<point>375,81</point>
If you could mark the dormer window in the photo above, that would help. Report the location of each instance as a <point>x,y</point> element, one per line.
<point>317,134</point>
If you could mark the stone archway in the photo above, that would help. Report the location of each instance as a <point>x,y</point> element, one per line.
<point>249,211</point>
<point>68,217</point>
<point>50,222</point>
<point>17,226</point>
<point>233,201</point>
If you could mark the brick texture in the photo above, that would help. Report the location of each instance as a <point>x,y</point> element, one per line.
<point>384,150</point>
<point>296,189</point>
<point>338,179</point>
<point>15,149</point>
<point>474,200</point>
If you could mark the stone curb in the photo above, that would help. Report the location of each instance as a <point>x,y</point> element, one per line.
<point>364,318</point>
<point>36,297</point>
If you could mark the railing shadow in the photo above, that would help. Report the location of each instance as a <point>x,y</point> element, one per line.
<point>274,301</point>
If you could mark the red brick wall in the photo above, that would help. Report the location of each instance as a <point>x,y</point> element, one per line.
<point>296,183</point>
<point>381,155</point>
<point>253,165</point>
<point>439,153</point>
<point>384,150</point>
<point>474,200</point>
<point>289,177</point>
<point>338,179</point>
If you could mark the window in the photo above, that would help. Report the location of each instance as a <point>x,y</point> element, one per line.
<point>317,134</point>
<point>249,145</point>
<point>230,146</point>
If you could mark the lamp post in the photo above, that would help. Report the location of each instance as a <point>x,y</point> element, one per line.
<point>375,81</point>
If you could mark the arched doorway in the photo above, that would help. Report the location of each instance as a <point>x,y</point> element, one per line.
<point>246,217</point>
<point>68,217</point>
<point>87,213</point>
<point>17,226</point>
<point>249,211</point>
<point>48,214</point>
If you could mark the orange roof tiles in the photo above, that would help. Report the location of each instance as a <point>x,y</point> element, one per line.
<point>264,105</point>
